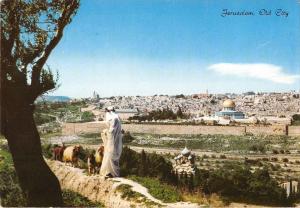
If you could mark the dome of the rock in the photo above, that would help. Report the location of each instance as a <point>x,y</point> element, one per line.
<point>228,104</point>
<point>229,111</point>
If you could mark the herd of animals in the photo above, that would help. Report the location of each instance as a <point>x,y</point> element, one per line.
<point>70,155</point>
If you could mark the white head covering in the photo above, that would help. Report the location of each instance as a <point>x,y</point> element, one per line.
<point>110,108</point>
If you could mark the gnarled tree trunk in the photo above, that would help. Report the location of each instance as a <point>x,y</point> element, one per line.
<point>37,181</point>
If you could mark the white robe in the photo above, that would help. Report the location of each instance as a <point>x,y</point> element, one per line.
<point>112,140</point>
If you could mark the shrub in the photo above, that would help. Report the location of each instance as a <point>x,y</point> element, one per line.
<point>265,159</point>
<point>42,118</point>
<point>274,159</point>
<point>252,161</point>
<point>276,167</point>
<point>87,116</point>
<point>275,151</point>
<point>260,164</point>
<point>47,150</point>
<point>204,156</point>
<point>257,148</point>
<point>285,160</point>
<point>223,157</point>
<point>296,119</point>
<point>159,190</point>
<point>127,138</point>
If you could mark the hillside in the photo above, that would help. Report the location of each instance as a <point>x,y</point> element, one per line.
<point>112,192</point>
<point>50,98</point>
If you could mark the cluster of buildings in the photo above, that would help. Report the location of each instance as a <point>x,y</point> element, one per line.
<point>222,108</point>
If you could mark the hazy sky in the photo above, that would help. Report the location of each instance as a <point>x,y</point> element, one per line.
<point>140,47</point>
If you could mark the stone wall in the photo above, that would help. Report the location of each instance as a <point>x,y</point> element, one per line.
<point>183,129</point>
<point>77,128</point>
<point>267,130</point>
<point>97,127</point>
<point>294,131</point>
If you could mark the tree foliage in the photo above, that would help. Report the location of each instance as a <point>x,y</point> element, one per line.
<point>87,116</point>
<point>239,184</point>
<point>30,30</point>
<point>233,181</point>
<point>142,164</point>
<point>164,114</point>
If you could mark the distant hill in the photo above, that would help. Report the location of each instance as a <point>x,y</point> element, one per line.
<point>50,98</point>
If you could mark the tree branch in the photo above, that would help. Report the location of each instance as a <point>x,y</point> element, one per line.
<point>65,18</point>
<point>13,41</point>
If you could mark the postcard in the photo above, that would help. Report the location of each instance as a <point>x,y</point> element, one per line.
<point>150,103</point>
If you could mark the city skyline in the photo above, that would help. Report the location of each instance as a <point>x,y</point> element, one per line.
<point>178,47</point>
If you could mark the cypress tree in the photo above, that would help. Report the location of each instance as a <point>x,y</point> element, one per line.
<point>143,167</point>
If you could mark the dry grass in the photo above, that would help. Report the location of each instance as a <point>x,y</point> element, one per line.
<point>213,200</point>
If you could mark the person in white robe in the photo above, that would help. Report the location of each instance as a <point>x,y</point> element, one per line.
<point>112,141</point>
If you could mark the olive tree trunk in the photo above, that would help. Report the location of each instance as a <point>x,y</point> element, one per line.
<point>40,185</point>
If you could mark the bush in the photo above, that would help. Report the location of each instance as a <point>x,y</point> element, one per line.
<point>87,116</point>
<point>296,119</point>
<point>127,138</point>
<point>285,160</point>
<point>204,156</point>
<point>274,159</point>
<point>258,148</point>
<point>275,151</point>
<point>47,150</point>
<point>276,167</point>
<point>159,190</point>
<point>223,157</point>
<point>252,161</point>
<point>40,118</point>
<point>265,159</point>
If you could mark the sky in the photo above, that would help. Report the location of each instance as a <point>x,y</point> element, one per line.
<point>143,47</point>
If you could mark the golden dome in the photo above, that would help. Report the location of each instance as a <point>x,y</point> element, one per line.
<point>228,104</point>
